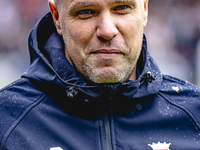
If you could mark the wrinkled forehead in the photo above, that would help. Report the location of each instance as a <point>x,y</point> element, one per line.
<point>73,4</point>
<point>98,1</point>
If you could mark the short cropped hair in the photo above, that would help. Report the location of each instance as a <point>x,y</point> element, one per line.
<point>56,2</point>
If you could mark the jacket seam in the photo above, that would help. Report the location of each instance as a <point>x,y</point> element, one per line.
<point>173,79</point>
<point>187,111</point>
<point>12,84</point>
<point>20,119</point>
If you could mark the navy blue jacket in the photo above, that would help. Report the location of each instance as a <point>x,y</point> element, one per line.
<point>51,107</point>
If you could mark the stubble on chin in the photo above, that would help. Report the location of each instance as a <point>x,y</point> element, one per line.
<point>106,74</point>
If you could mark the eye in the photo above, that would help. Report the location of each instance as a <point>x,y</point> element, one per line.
<point>122,8</point>
<point>86,13</point>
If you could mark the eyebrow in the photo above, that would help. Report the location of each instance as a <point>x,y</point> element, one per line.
<point>79,5</point>
<point>123,1</point>
<point>86,4</point>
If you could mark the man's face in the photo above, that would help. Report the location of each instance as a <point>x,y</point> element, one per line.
<point>103,38</point>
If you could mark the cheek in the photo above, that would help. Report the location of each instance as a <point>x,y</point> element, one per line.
<point>133,35</point>
<point>77,37</point>
<point>135,26</point>
<point>80,33</point>
<point>130,27</point>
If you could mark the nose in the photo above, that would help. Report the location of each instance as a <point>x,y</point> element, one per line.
<point>106,29</point>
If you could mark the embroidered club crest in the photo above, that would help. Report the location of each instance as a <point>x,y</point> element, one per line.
<point>160,146</point>
<point>56,148</point>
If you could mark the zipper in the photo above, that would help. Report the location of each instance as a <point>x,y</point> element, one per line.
<point>105,131</point>
<point>105,115</point>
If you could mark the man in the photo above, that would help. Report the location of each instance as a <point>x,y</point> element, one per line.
<point>92,85</point>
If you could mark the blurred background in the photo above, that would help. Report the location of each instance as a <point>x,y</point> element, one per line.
<point>173,36</point>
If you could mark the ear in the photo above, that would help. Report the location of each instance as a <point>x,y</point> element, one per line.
<point>146,2</point>
<point>55,14</point>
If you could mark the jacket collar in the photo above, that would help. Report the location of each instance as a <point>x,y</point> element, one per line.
<point>49,66</point>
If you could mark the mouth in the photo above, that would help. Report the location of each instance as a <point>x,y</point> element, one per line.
<point>106,53</point>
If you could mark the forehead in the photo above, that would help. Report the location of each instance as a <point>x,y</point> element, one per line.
<point>70,5</point>
<point>98,2</point>
<point>71,1</point>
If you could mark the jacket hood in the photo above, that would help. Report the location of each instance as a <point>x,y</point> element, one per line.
<point>50,69</point>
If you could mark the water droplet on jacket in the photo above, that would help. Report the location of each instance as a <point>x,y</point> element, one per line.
<point>138,106</point>
<point>86,100</point>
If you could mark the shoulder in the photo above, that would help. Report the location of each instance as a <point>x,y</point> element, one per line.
<point>16,100</point>
<point>20,90</point>
<point>179,88</point>
<point>183,95</point>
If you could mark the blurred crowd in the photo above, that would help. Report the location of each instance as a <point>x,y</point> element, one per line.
<point>173,33</point>
<point>18,17</point>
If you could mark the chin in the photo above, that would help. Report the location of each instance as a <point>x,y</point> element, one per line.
<point>107,77</point>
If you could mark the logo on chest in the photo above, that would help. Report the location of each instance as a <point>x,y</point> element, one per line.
<point>160,146</point>
<point>56,148</point>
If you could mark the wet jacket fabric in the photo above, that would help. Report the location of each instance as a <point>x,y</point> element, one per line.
<point>51,107</point>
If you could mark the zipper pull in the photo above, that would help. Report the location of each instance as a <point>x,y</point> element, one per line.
<point>147,77</point>
<point>72,92</point>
